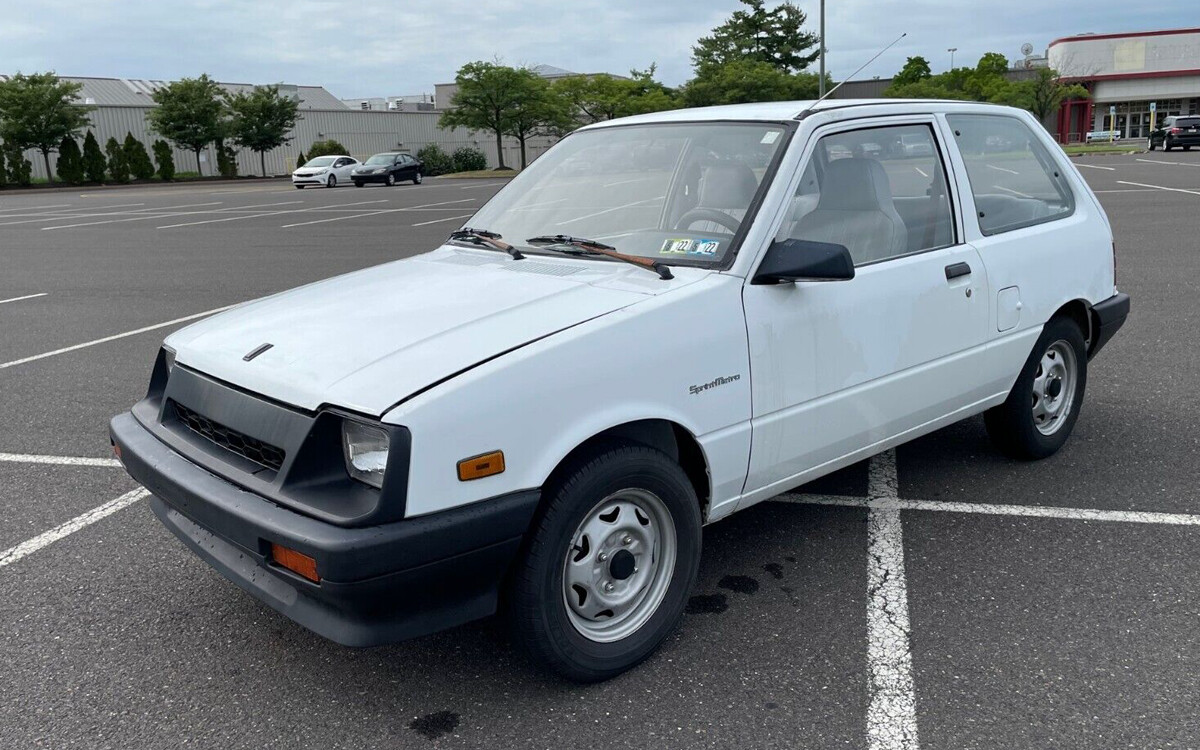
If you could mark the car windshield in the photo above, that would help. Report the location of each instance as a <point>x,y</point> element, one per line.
<point>677,193</point>
<point>381,159</point>
<point>321,161</point>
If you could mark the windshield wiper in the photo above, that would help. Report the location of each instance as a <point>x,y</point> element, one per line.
<point>591,247</point>
<point>484,237</point>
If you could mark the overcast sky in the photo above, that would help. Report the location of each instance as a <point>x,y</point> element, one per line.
<point>375,48</point>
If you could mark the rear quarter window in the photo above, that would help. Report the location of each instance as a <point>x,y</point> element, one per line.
<point>1013,178</point>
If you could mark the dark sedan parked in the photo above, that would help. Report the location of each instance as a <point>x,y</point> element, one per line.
<point>1177,131</point>
<point>388,169</point>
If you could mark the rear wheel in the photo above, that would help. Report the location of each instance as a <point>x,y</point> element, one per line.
<point>610,563</point>
<point>1187,148</point>
<point>1040,412</point>
<point>1167,145</point>
<point>417,178</point>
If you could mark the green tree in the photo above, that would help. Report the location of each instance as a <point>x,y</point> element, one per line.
<point>744,81</point>
<point>915,69</point>
<point>94,164</point>
<point>137,158</point>
<point>70,161</point>
<point>488,93</point>
<point>468,159</point>
<point>190,114</point>
<point>3,168</point>
<point>300,160</point>
<point>118,165</point>
<point>261,120</point>
<point>38,111</point>
<point>1043,94</point>
<point>992,64</point>
<point>227,165</point>
<point>327,147</point>
<point>20,171</point>
<point>774,37</point>
<point>165,160</point>
<point>537,111</point>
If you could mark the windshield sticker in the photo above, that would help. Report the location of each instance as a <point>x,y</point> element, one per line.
<point>688,246</point>
<point>770,137</point>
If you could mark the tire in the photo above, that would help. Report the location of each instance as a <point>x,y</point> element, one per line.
<point>417,178</point>
<point>299,187</point>
<point>1167,146</point>
<point>1152,146</point>
<point>391,180</point>
<point>358,183</point>
<point>553,599</point>
<point>331,182</point>
<point>1014,426</point>
<point>1187,148</point>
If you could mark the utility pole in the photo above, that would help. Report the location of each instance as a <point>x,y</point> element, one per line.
<point>821,83</point>
<point>952,50</point>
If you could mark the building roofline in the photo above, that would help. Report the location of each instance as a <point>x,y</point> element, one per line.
<point>1123,35</point>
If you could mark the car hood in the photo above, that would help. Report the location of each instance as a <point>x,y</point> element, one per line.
<point>369,339</point>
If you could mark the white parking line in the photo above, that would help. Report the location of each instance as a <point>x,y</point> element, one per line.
<point>439,221</point>
<point>1126,190</point>
<point>260,215</point>
<point>26,548</point>
<point>1170,163</point>
<point>145,214</point>
<point>1001,169</point>
<point>1160,187</point>
<point>35,208</point>
<point>26,458</point>
<point>920,171</point>
<point>486,185</point>
<point>610,210</point>
<point>27,296</point>
<point>106,339</point>
<point>1014,192</point>
<point>891,714</point>
<point>374,213</point>
<point>1095,166</point>
<point>70,214</point>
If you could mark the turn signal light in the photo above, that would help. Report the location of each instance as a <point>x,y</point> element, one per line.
<point>298,563</point>
<point>478,467</point>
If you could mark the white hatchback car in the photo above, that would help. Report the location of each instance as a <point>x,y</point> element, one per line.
<point>325,170</point>
<point>542,413</point>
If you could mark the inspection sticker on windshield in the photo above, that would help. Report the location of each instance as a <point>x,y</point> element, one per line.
<point>770,137</point>
<point>689,246</point>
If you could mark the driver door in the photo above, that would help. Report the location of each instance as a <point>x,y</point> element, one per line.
<point>842,370</point>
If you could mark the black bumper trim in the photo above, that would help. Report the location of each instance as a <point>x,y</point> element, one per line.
<point>380,584</point>
<point>1108,316</point>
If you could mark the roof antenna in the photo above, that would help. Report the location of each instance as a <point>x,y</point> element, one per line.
<point>829,93</point>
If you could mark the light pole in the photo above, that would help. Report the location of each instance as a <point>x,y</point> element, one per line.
<point>821,83</point>
<point>952,50</point>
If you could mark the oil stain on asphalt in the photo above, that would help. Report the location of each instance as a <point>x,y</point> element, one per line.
<point>436,724</point>
<point>707,604</point>
<point>739,584</point>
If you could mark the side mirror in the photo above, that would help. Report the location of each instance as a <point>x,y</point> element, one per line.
<point>804,260</point>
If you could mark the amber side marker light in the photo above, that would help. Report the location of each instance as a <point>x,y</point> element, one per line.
<point>298,563</point>
<point>478,467</point>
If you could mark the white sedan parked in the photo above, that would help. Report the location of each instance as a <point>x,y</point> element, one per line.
<point>664,320</point>
<point>325,170</point>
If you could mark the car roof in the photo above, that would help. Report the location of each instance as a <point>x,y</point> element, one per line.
<point>782,111</point>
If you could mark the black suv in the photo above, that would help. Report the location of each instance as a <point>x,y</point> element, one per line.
<point>388,169</point>
<point>1175,131</point>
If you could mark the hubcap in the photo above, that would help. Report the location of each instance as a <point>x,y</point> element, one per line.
<point>619,565</point>
<point>1054,387</point>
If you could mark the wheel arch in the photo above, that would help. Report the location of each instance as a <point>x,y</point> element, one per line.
<point>1079,311</point>
<point>672,438</point>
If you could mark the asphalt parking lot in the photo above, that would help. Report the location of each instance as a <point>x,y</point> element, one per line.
<point>940,596</point>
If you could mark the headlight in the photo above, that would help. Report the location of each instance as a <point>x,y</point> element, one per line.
<point>169,358</point>
<point>366,451</point>
<point>323,171</point>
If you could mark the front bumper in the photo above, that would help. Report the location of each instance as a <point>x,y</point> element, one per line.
<point>370,177</point>
<point>1107,318</point>
<point>379,584</point>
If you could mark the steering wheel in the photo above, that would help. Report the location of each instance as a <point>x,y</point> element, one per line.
<point>708,214</point>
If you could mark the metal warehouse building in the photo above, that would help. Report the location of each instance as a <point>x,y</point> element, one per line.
<point>1125,74</point>
<point>120,106</point>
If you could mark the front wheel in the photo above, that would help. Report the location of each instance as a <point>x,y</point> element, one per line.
<point>1151,147</point>
<point>1040,412</point>
<point>299,187</point>
<point>417,178</point>
<point>331,182</point>
<point>610,563</point>
<point>358,183</point>
<point>391,180</point>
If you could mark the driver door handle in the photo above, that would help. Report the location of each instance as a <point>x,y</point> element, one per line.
<point>954,270</point>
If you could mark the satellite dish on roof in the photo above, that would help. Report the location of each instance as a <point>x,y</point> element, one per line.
<point>1027,49</point>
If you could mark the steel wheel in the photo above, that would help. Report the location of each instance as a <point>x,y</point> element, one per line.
<point>1054,387</point>
<point>619,565</point>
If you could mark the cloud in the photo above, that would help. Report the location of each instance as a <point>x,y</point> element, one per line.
<point>374,47</point>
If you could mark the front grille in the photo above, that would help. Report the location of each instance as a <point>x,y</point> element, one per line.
<point>263,454</point>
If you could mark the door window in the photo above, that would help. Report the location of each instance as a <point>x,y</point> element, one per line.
<point>1015,181</point>
<point>880,192</point>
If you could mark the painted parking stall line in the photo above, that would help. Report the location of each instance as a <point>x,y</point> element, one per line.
<point>1159,187</point>
<point>82,521</point>
<point>1095,166</point>
<point>27,458</point>
<point>114,337</point>
<point>375,213</point>
<point>261,215</point>
<point>21,299</point>
<point>145,214</point>
<point>439,221</point>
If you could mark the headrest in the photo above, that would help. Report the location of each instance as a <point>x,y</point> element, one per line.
<point>856,185</point>
<point>727,186</point>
